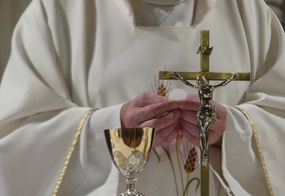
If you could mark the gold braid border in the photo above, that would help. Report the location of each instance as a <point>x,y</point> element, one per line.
<point>70,151</point>
<point>267,178</point>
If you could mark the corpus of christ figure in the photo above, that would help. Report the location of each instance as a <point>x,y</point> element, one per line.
<point>206,114</point>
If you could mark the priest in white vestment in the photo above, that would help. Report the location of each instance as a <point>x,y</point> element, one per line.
<point>75,64</point>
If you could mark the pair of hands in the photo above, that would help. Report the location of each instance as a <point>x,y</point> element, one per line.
<point>168,117</point>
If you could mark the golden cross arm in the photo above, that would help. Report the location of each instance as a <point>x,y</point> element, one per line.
<point>167,75</point>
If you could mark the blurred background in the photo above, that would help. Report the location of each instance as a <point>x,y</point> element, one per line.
<point>278,6</point>
<point>11,10</point>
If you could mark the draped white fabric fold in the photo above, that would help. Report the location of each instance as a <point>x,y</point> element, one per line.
<point>70,56</point>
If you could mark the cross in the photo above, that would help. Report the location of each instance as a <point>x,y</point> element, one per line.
<point>206,89</point>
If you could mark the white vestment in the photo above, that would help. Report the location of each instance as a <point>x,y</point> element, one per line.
<point>70,55</point>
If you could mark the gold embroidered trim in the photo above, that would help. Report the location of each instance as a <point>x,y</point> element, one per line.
<point>70,151</point>
<point>267,178</point>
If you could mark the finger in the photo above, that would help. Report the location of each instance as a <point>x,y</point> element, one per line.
<point>192,104</point>
<point>163,121</point>
<point>147,98</point>
<point>215,136</point>
<point>191,138</point>
<point>165,136</point>
<point>156,110</point>
<point>189,116</point>
<point>221,113</point>
<point>168,140</point>
<point>192,134</point>
<point>134,116</point>
<point>191,128</point>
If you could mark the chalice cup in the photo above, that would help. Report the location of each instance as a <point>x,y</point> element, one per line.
<point>130,149</point>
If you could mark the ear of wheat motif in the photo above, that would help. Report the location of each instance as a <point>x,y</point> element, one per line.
<point>190,156</point>
<point>159,87</point>
<point>192,161</point>
<point>186,153</point>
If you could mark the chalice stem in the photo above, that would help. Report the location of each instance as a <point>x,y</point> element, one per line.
<point>131,184</point>
<point>131,188</point>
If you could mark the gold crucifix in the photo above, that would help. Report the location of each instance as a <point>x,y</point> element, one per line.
<point>206,114</point>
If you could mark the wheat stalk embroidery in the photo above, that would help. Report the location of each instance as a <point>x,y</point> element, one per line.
<point>187,156</point>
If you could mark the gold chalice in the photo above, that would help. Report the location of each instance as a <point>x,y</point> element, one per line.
<point>130,149</point>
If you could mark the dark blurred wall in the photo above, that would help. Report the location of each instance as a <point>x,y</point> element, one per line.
<point>10,11</point>
<point>278,6</point>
